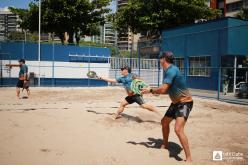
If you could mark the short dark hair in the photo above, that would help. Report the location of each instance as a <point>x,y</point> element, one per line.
<point>126,68</point>
<point>22,60</point>
<point>168,56</point>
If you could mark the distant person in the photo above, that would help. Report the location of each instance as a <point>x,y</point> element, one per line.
<point>23,77</point>
<point>175,86</point>
<point>126,80</point>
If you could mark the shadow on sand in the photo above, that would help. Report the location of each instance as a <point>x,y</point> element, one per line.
<point>174,148</point>
<point>127,117</point>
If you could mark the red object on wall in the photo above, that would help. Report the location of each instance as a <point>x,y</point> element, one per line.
<point>213,4</point>
<point>224,7</point>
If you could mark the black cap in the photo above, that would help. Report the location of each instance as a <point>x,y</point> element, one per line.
<point>126,68</point>
<point>168,55</point>
<point>22,60</point>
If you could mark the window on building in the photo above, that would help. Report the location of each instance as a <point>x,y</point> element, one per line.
<point>234,6</point>
<point>199,66</point>
<point>245,3</point>
<point>179,62</point>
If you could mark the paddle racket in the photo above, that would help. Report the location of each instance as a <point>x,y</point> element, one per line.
<point>93,75</point>
<point>137,85</point>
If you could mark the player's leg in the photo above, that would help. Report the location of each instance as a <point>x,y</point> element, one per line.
<point>18,86</point>
<point>165,122</point>
<point>139,100</point>
<point>28,91</point>
<point>26,86</point>
<point>121,108</point>
<point>181,115</point>
<point>150,108</point>
<point>179,129</point>
<point>18,92</point>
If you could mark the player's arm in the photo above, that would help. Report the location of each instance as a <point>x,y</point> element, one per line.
<point>163,89</point>
<point>108,80</point>
<point>12,65</point>
<point>25,73</point>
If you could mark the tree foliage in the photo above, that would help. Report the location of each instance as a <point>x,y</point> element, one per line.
<point>243,14</point>
<point>76,17</point>
<point>20,36</point>
<point>152,16</point>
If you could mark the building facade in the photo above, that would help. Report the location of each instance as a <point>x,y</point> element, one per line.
<point>127,41</point>
<point>210,53</point>
<point>8,23</point>
<point>229,8</point>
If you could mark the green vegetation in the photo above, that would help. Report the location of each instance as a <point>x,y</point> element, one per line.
<point>151,16</point>
<point>77,17</point>
<point>243,14</point>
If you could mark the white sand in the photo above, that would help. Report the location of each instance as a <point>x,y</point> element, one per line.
<point>73,126</point>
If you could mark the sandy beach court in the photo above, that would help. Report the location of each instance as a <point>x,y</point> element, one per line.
<point>73,126</point>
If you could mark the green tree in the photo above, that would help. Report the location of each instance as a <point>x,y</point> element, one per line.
<point>152,16</point>
<point>243,14</point>
<point>16,36</point>
<point>76,17</point>
<point>20,36</point>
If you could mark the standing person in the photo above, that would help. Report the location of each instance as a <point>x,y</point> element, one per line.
<point>175,86</point>
<point>23,77</point>
<point>126,80</point>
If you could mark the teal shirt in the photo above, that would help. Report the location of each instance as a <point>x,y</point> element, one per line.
<point>178,90</point>
<point>23,70</point>
<point>126,81</point>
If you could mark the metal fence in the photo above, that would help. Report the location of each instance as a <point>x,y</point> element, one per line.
<point>227,82</point>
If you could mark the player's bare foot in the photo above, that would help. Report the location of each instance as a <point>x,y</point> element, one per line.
<point>116,117</point>
<point>164,147</point>
<point>188,160</point>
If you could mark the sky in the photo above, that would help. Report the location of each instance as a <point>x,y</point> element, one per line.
<point>4,4</point>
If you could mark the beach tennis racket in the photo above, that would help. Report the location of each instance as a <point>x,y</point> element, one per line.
<point>137,85</point>
<point>92,74</point>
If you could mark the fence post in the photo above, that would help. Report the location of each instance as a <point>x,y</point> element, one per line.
<point>219,83</point>
<point>53,84</point>
<point>23,54</point>
<point>89,66</point>
<point>139,59</point>
<point>158,71</point>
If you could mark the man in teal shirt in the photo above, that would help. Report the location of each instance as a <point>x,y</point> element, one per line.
<point>174,85</point>
<point>23,77</point>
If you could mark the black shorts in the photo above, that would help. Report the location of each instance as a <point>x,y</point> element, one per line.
<point>135,99</point>
<point>179,110</point>
<point>20,84</point>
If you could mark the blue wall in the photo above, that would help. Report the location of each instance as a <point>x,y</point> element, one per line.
<point>237,37</point>
<point>226,36</point>
<point>57,82</point>
<point>29,51</point>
